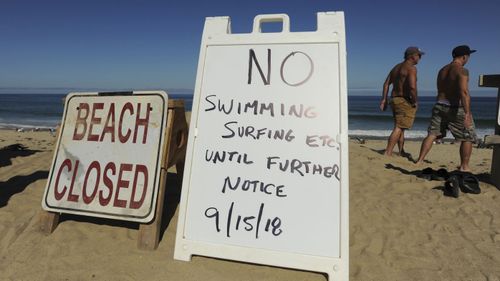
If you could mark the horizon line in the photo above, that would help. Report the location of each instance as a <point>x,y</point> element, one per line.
<point>188,91</point>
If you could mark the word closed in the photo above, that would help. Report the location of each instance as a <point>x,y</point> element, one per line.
<point>98,184</point>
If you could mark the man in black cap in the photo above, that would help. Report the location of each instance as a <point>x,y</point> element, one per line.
<point>403,77</point>
<point>452,110</point>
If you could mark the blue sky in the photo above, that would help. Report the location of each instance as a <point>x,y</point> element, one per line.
<point>155,44</point>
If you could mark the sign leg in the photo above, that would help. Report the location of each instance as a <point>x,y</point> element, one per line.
<point>495,161</point>
<point>494,81</point>
<point>149,234</point>
<point>48,222</point>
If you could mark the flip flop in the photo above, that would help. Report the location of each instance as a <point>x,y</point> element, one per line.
<point>452,185</point>
<point>469,184</point>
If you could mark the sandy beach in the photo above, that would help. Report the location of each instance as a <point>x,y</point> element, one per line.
<point>402,227</point>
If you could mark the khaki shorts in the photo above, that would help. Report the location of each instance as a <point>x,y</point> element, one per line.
<point>445,117</point>
<point>403,112</point>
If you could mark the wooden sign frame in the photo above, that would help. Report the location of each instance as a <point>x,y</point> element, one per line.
<point>174,151</point>
<point>494,81</point>
<point>217,32</point>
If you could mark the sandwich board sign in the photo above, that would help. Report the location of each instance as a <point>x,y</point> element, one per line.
<point>266,175</point>
<point>108,156</point>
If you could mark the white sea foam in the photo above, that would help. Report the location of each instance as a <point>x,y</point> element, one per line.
<point>24,126</point>
<point>411,134</point>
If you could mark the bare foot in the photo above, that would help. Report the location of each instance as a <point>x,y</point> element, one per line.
<point>464,169</point>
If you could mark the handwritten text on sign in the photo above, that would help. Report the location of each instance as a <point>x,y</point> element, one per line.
<point>266,163</point>
<point>107,160</point>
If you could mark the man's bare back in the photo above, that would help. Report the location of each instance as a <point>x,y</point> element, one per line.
<point>449,83</point>
<point>403,77</point>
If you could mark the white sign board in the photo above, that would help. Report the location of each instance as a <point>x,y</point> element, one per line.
<point>498,113</point>
<point>266,178</point>
<point>107,161</point>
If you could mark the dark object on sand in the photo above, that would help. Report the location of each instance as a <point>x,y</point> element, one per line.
<point>426,173</point>
<point>469,183</point>
<point>452,185</point>
<point>13,147</point>
<point>462,181</point>
<point>439,175</point>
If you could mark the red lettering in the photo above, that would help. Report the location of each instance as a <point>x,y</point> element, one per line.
<point>144,170</point>
<point>109,128</point>
<point>59,195</point>
<point>94,165</point>
<point>81,120</point>
<point>94,121</point>
<point>83,128</point>
<point>123,138</point>
<point>121,184</point>
<point>105,191</point>
<point>104,201</point>
<point>142,122</point>
<point>71,196</point>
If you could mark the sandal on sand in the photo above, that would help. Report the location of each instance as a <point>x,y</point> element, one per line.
<point>452,185</point>
<point>469,184</point>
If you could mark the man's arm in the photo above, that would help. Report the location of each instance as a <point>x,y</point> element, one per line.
<point>463,84</point>
<point>385,91</point>
<point>412,84</point>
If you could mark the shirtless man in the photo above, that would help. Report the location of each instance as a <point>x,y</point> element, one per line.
<point>452,110</point>
<point>403,78</point>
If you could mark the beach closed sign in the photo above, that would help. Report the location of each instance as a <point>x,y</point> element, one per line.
<point>107,159</point>
<point>266,178</point>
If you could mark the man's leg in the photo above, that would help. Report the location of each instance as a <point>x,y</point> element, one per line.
<point>465,153</point>
<point>401,143</point>
<point>425,148</point>
<point>393,139</point>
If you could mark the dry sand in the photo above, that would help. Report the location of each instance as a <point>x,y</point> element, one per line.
<point>402,227</point>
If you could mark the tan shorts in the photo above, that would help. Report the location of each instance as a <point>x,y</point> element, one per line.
<point>403,112</point>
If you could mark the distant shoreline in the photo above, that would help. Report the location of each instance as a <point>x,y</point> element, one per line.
<point>44,112</point>
<point>352,137</point>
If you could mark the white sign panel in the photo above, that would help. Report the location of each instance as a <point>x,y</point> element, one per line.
<point>498,113</point>
<point>108,158</point>
<point>266,178</point>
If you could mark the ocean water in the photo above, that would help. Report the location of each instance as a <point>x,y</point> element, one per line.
<point>44,111</point>
<point>366,119</point>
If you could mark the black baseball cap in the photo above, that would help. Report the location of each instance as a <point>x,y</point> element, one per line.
<point>461,50</point>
